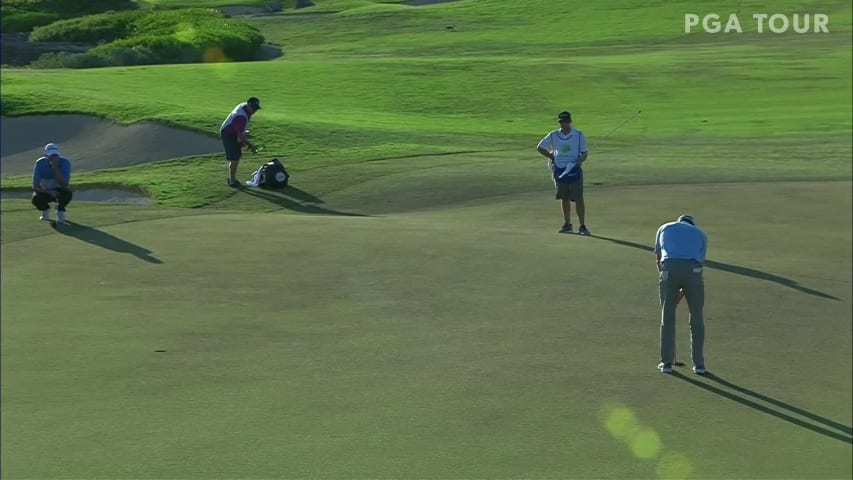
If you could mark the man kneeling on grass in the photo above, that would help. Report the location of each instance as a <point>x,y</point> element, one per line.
<point>51,177</point>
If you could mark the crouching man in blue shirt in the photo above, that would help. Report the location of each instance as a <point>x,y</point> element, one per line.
<point>51,177</point>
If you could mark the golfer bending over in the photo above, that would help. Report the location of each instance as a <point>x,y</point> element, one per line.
<point>233,132</point>
<point>680,249</point>
<point>51,177</point>
<point>565,149</point>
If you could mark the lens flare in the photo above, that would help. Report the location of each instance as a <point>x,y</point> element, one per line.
<point>645,443</point>
<point>214,55</point>
<point>621,422</point>
<point>674,466</point>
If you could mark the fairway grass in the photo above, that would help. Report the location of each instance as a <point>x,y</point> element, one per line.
<point>406,309</point>
<point>469,341</point>
<point>349,92</point>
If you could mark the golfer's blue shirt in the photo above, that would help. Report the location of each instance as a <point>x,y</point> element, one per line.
<point>681,241</point>
<point>43,175</point>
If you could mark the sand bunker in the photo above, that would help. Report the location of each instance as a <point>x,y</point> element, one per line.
<point>92,195</point>
<point>92,143</point>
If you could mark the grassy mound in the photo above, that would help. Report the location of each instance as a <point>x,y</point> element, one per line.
<point>397,88</point>
<point>24,15</point>
<point>151,37</point>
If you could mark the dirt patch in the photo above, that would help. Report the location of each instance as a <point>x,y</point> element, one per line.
<point>92,143</point>
<point>91,195</point>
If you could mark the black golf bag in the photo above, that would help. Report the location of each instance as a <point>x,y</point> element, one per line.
<point>273,175</point>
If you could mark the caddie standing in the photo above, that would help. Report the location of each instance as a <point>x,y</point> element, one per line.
<point>565,149</point>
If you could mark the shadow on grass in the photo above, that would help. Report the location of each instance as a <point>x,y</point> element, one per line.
<point>817,418</point>
<point>300,195</point>
<point>745,271</point>
<point>292,198</point>
<point>843,435</point>
<point>104,240</point>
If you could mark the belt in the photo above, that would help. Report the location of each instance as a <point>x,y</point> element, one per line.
<point>680,260</point>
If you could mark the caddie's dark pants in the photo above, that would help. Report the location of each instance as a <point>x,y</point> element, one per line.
<point>42,200</point>
<point>687,275</point>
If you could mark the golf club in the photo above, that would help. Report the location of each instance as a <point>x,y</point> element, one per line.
<point>548,163</point>
<point>617,128</point>
<point>597,142</point>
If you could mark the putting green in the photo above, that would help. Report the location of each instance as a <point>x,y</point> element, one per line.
<point>465,341</point>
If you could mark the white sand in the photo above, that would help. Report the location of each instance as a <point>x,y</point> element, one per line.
<point>92,195</point>
<point>92,143</point>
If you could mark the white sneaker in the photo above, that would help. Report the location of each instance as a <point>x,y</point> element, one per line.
<point>45,215</point>
<point>60,217</point>
<point>665,367</point>
<point>700,370</point>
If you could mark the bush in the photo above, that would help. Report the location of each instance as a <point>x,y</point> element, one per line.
<point>170,36</point>
<point>91,29</point>
<point>64,60</point>
<point>151,49</point>
<point>13,20</point>
<point>25,15</point>
<point>70,8</point>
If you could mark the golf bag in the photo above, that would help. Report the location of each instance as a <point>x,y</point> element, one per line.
<point>271,175</point>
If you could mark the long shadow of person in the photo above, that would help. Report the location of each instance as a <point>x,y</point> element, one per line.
<point>300,195</point>
<point>836,431</point>
<point>285,198</point>
<point>738,270</point>
<point>104,240</point>
<point>799,411</point>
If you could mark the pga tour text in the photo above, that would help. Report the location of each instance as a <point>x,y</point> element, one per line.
<point>764,22</point>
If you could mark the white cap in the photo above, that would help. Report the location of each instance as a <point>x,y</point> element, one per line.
<point>51,149</point>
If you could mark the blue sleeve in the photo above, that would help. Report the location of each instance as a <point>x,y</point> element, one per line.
<point>703,251</point>
<point>65,168</point>
<point>36,174</point>
<point>582,143</point>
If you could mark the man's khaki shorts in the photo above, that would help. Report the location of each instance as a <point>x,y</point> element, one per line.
<point>570,191</point>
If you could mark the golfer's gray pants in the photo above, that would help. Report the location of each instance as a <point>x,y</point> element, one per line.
<point>687,275</point>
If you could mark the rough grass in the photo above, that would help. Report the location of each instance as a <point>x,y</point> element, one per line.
<point>730,107</point>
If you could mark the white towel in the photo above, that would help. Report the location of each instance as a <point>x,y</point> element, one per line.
<point>255,180</point>
<point>568,168</point>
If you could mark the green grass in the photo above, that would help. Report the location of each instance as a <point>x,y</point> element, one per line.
<point>461,342</point>
<point>406,309</point>
<point>200,3</point>
<point>686,100</point>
